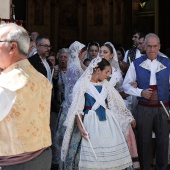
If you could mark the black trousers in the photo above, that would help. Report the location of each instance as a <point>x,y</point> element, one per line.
<point>150,119</point>
<point>41,162</point>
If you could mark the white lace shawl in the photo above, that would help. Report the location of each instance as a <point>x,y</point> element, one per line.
<point>115,104</point>
<point>73,59</point>
<point>114,61</point>
<point>116,79</point>
<point>116,72</point>
<point>74,71</point>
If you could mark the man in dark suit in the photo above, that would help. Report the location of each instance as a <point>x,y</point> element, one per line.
<point>45,67</point>
<point>39,61</point>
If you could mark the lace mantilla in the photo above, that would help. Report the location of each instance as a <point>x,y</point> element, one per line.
<point>115,104</point>
<point>74,71</point>
<point>114,61</point>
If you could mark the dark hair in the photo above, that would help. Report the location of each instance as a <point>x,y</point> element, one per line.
<point>109,47</point>
<point>141,33</point>
<point>52,54</point>
<point>93,43</point>
<point>86,60</point>
<point>102,64</point>
<point>121,50</point>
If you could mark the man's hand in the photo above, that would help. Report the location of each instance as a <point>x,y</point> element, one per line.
<point>134,84</point>
<point>147,93</point>
<point>56,70</point>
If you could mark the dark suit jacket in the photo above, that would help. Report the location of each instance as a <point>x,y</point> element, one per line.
<point>37,63</point>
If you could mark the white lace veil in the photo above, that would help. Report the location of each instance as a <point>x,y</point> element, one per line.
<point>74,51</point>
<point>115,103</point>
<point>114,61</point>
<point>74,71</point>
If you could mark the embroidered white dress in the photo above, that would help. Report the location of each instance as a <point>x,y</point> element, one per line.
<point>105,134</point>
<point>108,107</point>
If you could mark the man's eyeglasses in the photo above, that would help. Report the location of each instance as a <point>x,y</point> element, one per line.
<point>4,41</point>
<point>46,46</point>
<point>7,41</point>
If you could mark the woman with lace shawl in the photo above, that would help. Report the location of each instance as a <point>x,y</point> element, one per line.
<point>108,52</point>
<point>101,108</point>
<point>74,71</point>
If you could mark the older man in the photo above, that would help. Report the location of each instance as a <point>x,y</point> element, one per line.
<point>152,74</point>
<point>25,97</point>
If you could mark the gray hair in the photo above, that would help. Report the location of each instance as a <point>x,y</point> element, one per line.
<point>62,50</point>
<point>19,35</point>
<point>40,38</point>
<point>151,35</point>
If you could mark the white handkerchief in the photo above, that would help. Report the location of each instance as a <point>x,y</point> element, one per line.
<point>7,99</point>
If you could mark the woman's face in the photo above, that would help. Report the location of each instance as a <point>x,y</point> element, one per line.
<point>52,59</point>
<point>104,73</point>
<point>105,53</point>
<point>93,51</point>
<point>119,55</point>
<point>62,59</point>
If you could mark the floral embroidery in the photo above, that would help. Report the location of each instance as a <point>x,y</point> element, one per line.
<point>25,114</point>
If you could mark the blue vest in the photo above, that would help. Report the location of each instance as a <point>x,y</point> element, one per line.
<point>162,78</point>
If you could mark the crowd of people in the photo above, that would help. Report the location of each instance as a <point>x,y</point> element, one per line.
<point>85,107</point>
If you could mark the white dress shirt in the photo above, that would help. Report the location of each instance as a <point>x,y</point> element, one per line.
<point>131,77</point>
<point>47,67</point>
<point>138,54</point>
